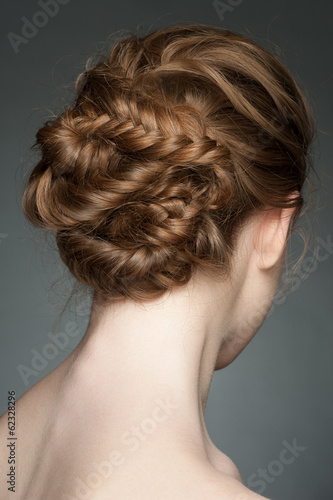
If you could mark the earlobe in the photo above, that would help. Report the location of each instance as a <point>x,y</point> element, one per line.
<point>272,236</point>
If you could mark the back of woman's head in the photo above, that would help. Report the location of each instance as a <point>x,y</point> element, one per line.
<point>175,139</point>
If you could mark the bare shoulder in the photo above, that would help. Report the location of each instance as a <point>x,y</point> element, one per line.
<point>229,483</point>
<point>195,483</point>
<point>229,487</point>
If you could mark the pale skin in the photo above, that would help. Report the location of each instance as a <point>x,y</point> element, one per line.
<point>103,403</point>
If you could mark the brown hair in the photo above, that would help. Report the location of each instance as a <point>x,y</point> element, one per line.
<point>175,139</point>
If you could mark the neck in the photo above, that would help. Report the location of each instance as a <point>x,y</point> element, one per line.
<point>149,368</point>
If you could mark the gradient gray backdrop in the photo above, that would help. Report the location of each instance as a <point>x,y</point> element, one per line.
<point>280,388</point>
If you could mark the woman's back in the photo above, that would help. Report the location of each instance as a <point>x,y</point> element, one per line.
<point>64,453</point>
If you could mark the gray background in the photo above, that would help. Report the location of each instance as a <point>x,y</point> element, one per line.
<point>279,389</point>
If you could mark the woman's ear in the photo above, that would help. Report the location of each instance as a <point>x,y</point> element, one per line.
<point>272,236</point>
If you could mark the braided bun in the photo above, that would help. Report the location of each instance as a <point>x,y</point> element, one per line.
<point>173,141</point>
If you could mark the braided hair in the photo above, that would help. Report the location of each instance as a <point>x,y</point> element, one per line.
<point>174,140</point>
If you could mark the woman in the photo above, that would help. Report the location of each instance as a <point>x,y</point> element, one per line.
<point>172,185</point>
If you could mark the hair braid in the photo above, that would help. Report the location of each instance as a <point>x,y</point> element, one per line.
<point>174,140</point>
